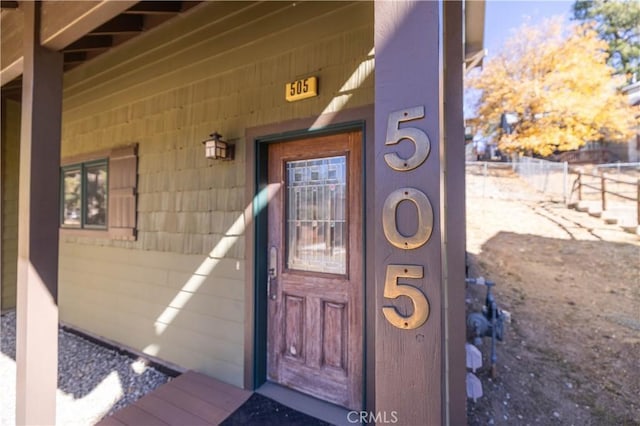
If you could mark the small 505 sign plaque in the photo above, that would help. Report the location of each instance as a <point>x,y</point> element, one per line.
<point>302,89</point>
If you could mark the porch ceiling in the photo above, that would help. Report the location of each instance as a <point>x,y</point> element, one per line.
<point>98,27</point>
<point>132,22</point>
<point>105,31</point>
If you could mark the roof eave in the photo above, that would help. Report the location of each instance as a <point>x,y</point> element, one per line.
<point>474,15</point>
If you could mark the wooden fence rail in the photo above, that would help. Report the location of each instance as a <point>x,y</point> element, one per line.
<point>603,189</point>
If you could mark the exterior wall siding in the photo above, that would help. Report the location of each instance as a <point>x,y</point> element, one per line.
<point>158,303</point>
<point>177,292</point>
<point>9,190</point>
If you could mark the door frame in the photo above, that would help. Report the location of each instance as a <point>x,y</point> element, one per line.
<point>257,140</point>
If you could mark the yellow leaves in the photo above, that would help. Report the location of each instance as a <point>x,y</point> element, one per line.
<point>559,86</point>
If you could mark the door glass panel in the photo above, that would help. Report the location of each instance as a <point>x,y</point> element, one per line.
<point>316,215</point>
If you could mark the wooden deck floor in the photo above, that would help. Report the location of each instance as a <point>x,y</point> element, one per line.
<point>189,399</point>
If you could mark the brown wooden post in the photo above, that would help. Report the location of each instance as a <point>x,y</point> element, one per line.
<point>3,124</point>
<point>603,192</point>
<point>453,243</point>
<point>638,200</point>
<point>419,246</point>
<point>37,311</point>
<point>579,186</point>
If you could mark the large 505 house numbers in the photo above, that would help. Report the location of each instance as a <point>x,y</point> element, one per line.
<point>392,289</point>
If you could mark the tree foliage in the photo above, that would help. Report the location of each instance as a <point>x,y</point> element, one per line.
<point>559,88</point>
<point>618,23</point>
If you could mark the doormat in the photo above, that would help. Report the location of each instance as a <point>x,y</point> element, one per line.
<point>260,410</point>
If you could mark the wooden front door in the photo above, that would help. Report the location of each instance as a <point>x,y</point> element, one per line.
<point>315,261</point>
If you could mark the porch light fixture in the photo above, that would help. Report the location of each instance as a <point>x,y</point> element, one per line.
<point>215,148</point>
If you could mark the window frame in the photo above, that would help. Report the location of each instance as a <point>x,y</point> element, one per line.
<point>122,193</point>
<point>63,172</point>
<point>82,168</point>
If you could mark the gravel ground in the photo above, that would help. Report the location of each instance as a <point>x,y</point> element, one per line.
<point>93,381</point>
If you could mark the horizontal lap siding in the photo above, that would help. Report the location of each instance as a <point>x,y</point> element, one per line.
<point>9,190</point>
<point>144,300</point>
<point>166,91</point>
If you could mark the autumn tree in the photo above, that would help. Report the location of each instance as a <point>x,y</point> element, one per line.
<point>618,23</point>
<point>558,87</point>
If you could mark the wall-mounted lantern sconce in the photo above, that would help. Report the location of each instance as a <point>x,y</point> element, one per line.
<point>217,149</point>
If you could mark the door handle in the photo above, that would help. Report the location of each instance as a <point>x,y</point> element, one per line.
<point>272,279</point>
<point>272,288</point>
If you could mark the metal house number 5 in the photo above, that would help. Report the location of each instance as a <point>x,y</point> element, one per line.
<point>392,289</point>
<point>419,138</point>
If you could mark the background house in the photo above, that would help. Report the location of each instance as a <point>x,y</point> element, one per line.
<point>633,148</point>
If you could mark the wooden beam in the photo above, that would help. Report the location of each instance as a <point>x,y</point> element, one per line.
<point>452,212</point>
<point>4,4</point>
<point>9,73</point>
<point>121,24</point>
<point>64,22</point>
<point>97,42</point>
<point>11,28</point>
<point>3,141</point>
<point>37,292</point>
<point>155,8</point>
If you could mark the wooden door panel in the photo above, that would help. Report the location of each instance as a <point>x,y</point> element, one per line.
<point>294,315</point>
<point>315,319</point>
<point>334,335</point>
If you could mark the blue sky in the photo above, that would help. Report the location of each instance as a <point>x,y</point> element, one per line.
<point>503,16</point>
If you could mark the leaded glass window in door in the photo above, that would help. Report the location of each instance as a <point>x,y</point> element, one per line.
<point>316,215</point>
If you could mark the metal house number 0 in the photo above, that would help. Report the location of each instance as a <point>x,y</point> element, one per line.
<point>392,289</point>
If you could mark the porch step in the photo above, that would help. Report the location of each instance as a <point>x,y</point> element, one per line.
<point>588,206</point>
<point>191,398</point>
<point>595,213</point>
<point>631,229</point>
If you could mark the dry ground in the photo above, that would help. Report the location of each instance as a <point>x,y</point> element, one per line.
<point>571,355</point>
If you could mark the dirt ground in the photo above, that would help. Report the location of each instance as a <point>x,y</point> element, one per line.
<point>571,353</point>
